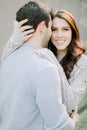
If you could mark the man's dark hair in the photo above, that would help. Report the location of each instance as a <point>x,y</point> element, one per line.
<point>35,13</point>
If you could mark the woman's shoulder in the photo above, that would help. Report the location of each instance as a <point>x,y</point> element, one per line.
<point>82,62</point>
<point>80,69</point>
<point>84,56</point>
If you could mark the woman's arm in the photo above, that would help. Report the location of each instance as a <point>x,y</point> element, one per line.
<point>20,35</point>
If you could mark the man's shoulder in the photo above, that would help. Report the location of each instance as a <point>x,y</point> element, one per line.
<point>43,58</point>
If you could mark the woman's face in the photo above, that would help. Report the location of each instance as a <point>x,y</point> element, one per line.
<point>61,34</point>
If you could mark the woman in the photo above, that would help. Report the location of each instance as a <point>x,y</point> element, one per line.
<point>65,41</point>
<point>65,45</point>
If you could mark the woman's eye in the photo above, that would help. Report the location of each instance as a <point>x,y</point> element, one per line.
<point>54,29</point>
<point>66,29</point>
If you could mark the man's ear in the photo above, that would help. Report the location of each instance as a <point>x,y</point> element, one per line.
<point>42,27</point>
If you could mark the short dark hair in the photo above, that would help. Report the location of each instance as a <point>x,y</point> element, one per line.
<point>35,13</point>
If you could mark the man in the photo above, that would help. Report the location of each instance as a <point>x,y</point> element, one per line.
<point>30,89</point>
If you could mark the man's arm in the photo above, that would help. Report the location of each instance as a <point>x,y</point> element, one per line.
<point>49,100</point>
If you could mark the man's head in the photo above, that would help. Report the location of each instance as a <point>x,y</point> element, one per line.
<point>38,16</point>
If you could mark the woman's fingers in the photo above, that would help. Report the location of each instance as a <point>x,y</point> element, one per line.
<point>25,28</point>
<point>22,22</point>
<point>28,36</point>
<point>28,32</point>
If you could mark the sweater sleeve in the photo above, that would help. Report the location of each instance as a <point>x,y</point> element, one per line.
<point>14,42</point>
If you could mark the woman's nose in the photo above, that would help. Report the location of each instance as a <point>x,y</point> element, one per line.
<point>59,33</point>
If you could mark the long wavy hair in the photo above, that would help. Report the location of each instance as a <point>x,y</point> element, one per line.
<point>75,48</point>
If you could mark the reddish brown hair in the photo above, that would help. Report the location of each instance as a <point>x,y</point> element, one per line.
<point>75,48</point>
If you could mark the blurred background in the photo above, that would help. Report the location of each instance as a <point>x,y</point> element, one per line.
<point>78,8</point>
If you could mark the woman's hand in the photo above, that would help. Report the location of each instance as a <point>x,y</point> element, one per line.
<point>26,30</point>
<point>75,117</point>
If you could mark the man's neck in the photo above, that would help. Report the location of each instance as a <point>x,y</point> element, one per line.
<point>34,40</point>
